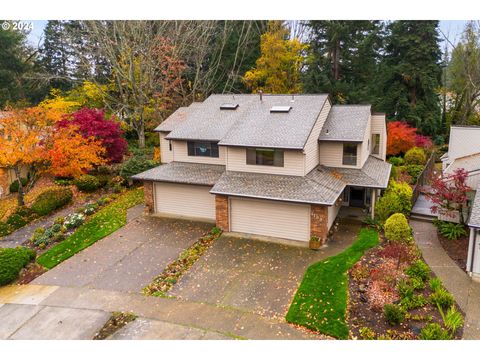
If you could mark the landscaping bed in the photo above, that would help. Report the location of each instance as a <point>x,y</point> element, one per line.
<point>409,290</point>
<point>457,249</point>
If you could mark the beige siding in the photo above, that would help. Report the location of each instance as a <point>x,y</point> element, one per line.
<point>331,154</point>
<point>270,218</point>
<point>180,153</point>
<point>166,155</point>
<point>463,141</point>
<point>191,201</point>
<point>332,214</point>
<point>293,163</point>
<point>379,127</point>
<point>311,147</point>
<point>366,146</point>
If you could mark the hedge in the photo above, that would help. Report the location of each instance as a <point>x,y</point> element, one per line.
<point>12,261</point>
<point>51,200</point>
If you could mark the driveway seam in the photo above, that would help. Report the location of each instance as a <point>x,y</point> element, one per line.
<point>26,321</point>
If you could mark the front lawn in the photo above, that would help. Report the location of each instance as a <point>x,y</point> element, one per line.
<point>320,303</point>
<point>101,224</point>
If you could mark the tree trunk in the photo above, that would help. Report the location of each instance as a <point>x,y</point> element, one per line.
<point>20,195</point>
<point>141,137</point>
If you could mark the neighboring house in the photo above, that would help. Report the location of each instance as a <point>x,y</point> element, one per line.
<point>464,152</point>
<point>473,260</point>
<point>270,165</point>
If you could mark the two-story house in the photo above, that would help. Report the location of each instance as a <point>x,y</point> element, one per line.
<point>270,165</point>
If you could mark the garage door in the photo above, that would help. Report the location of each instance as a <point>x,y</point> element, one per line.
<point>270,218</point>
<point>184,200</point>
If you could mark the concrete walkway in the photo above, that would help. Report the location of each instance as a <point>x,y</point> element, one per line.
<point>47,312</point>
<point>463,288</point>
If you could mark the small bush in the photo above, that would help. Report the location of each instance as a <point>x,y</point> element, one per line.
<point>4,229</point>
<point>434,331</point>
<point>51,200</point>
<point>367,334</point>
<point>12,261</point>
<point>394,314</point>
<point>415,156</point>
<point>359,272</point>
<point>136,164</point>
<point>414,302</point>
<point>435,284</point>
<point>396,160</point>
<point>418,270</point>
<point>15,185</point>
<point>59,220</point>
<point>414,171</point>
<point>397,229</point>
<point>90,209</point>
<point>21,217</point>
<point>451,231</point>
<point>87,183</point>
<point>397,199</point>
<point>442,298</point>
<point>74,220</point>
<point>397,251</point>
<point>452,320</point>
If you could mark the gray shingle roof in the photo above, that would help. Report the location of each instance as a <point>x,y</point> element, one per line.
<point>184,173</point>
<point>318,187</point>
<point>474,219</point>
<point>175,119</point>
<point>375,173</point>
<point>346,123</point>
<point>252,123</point>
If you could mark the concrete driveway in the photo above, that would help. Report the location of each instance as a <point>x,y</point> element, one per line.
<point>253,275</point>
<point>128,259</point>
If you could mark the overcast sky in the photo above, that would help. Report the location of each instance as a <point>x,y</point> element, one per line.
<point>451,28</point>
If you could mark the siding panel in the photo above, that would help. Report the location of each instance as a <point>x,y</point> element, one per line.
<point>166,155</point>
<point>191,201</point>
<point>180,153</point>
<point>332,214</point>
<point>311,147</point>
<point>379,127</point>
<point>270,218</point>
<point>293,163</point>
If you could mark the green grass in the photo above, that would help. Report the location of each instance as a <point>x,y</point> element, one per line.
<point>320,303</point>
<point>101,224</point>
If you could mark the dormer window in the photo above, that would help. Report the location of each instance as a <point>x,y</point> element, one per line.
<point>280,109</point>
<point>266,157</point>
<point>229,106</point>
<point>202,148</point>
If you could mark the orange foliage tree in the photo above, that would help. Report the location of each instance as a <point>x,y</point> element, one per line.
<point>400,137</point>
<point>22,136</point>
<point>71,155</point>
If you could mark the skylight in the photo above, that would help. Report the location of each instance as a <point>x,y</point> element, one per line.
<point>228,106</point>
<point>280,109</point>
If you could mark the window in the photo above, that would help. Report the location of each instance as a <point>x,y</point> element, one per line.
<point>268,157</point>
<point>349,154</point>
<point>376,144</point>
<point>170,145</point>
<point>202,148</point>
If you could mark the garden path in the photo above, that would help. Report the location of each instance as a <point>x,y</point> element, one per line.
<point>465,291</point>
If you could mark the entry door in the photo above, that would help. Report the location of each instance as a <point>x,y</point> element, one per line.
<point>357,197</point>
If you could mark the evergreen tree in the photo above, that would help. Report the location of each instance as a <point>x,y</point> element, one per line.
<point>410,75</point>
<point>343,58</point>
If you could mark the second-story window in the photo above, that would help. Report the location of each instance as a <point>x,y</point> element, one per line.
<point>202,148</point>
<point>376,144</point>
<point>268,157</point>
<point>349,154</point>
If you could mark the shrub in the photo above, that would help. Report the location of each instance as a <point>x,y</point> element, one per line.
<point>414,302</point>
<point>434,331</point>
<point>405,290</point>
<point>359,272</point>
<point>442,298</point>
<point>14,185</point>
<point>397,251</point>
<point>21,217</point>
<point>87,183</point>
<point>450,230</point>
<point>4,229</point>
<point>435,284</point>
<point>367,334</point>
<point>397,199</point>
<point>396,160</point>
<point>74,220</point>
<point>51,200</point>
<point>452,320</point>
<point>415,156</point>
<point>90,209</point>
<point>414,172</point>
<point>103,180</point>
<point>59,220</point>
<point>418,270</point>
<point>136,164</point>
<point>42,237</point>
<point>394,314</point>
<point>397,229</point>
<point>63,181</point>
<point>12,261</point>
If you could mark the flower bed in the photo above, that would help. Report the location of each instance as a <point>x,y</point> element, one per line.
<point>394,295</point>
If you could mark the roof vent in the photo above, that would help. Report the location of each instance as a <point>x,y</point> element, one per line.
<point>228,106</point>
<point>280,109</point>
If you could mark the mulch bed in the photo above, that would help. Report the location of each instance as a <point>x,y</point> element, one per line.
<point>30,273</point>
<point>456,249</point>
<point>362,314</point>
<point>117,321</point>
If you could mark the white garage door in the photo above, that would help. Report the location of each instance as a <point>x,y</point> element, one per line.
<point>270,218</point>
<point>184,200</point>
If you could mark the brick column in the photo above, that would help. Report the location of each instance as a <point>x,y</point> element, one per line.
<point>319,222</point>
<point>221,212</point>
<point>148,193</point>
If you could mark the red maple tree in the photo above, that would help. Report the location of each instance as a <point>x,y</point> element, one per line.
<point>400,137</point>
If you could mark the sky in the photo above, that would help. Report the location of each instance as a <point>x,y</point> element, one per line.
<point>450,28</point>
